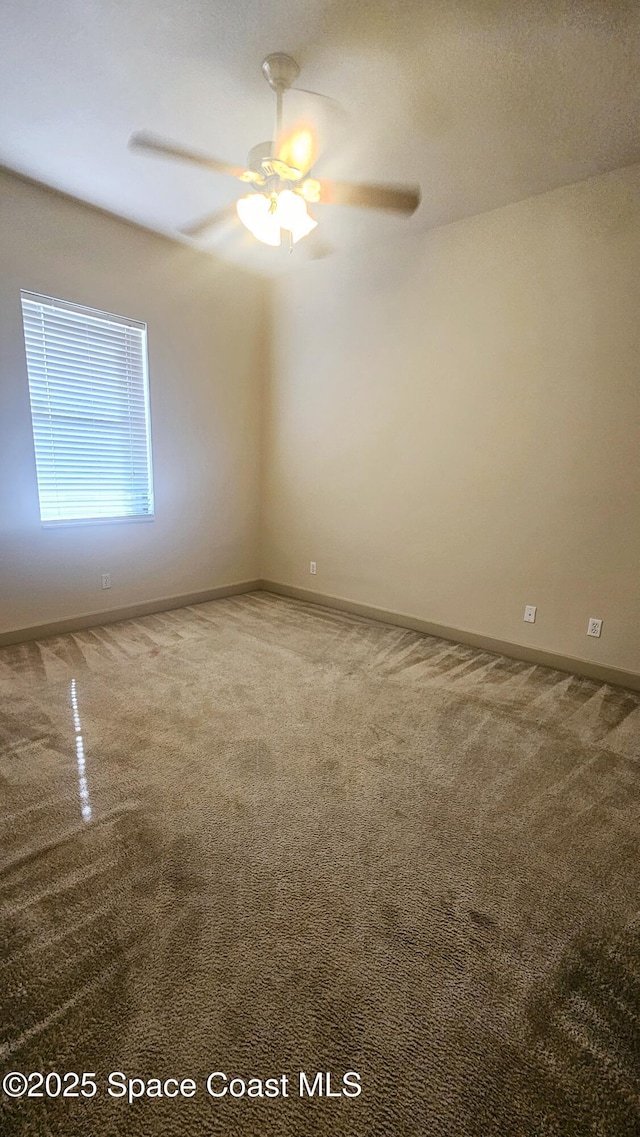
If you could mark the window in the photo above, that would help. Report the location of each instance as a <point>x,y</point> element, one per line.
<point>89,394</point>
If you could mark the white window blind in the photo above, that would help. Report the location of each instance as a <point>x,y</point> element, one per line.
<point>89,394</point>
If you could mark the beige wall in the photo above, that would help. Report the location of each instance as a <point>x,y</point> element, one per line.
<point>453,424</point>
<point>206,350</point>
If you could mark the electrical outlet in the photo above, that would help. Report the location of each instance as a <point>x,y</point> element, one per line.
<point>594,627</point>
<point>105,580</point>
<point>530,613</point>
<point>312,568</point>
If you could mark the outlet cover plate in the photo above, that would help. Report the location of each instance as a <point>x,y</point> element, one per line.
<point>312,568</point>
<point>105,580</point>
<point>594,627</point>
<point>530,613</point>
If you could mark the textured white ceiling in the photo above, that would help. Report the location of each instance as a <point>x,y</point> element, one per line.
<point>481,102</point>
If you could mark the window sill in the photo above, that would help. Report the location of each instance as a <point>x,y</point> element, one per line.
<point>82,521</point>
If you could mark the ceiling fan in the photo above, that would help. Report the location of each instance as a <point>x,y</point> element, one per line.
<point>279,174</point>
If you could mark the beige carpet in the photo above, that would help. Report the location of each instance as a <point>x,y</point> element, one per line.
<point>260,837</point>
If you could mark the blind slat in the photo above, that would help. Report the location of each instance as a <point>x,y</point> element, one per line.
<point>87,356</point>
<point>90,411</point>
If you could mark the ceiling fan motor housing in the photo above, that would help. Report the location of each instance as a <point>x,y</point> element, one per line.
<point>258,154</point>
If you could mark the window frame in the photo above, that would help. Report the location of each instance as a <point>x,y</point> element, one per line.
<point>137,325</point>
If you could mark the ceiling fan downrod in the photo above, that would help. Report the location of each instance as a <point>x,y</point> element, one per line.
<point>280,71</point>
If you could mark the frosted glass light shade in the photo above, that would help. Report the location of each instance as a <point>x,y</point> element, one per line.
<point>254,211</point>
<point>292,215</point>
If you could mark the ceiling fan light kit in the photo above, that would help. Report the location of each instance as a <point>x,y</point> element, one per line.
<point>265,216</point>
<point>278,174</point>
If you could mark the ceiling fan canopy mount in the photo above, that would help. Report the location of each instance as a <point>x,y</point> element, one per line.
<point>280,71</point>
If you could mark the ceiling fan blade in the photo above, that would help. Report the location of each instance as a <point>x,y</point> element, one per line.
<point>152,144</point>
<point>399,199</point>
<point>315,246</point>
<point>209,221</point>
<point>335,105</point>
